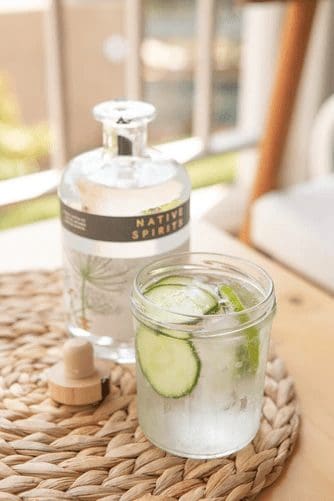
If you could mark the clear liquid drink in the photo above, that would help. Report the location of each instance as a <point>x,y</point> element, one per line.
<point>203,324</point>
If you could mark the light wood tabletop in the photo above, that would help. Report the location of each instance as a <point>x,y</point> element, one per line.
<point>303,335</point>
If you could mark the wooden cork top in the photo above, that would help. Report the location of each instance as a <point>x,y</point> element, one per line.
<point>78,359</point>
<point>77,380</point>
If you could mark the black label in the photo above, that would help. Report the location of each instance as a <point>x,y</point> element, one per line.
<point>125,229</point>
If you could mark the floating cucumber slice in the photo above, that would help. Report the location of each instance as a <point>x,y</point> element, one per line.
<point>179,297</point>
<point>170,365</point>
<point>176,280</point>
<point>184,299</point>
<point>248,354</point>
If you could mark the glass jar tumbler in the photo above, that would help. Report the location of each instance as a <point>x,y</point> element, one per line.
<point>202,324</point>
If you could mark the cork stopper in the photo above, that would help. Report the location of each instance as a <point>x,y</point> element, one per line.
<point>78,380</point>
<point>78,359</point>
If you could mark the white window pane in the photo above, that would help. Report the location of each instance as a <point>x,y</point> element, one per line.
<point>168,65</point>
<point>226,64</point>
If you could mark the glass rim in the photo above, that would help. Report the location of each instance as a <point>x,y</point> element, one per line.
<point>137,290</point>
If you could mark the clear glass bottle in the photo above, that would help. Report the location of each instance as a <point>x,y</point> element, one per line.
<point>121,205</point>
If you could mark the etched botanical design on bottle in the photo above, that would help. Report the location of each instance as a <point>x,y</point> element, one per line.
<point>93,285</point>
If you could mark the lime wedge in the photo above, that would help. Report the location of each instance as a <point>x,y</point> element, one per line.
<point>247,353</point>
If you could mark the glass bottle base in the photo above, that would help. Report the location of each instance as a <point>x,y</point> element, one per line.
<point>106,347</point>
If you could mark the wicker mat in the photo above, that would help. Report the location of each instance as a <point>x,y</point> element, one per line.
<point>50,451</point>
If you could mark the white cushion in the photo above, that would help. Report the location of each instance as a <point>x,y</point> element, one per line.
<point>296,226</point>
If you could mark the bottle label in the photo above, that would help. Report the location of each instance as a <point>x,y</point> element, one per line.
<point>148,226</point>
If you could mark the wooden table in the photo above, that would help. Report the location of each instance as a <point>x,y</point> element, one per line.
<point>303,334</point>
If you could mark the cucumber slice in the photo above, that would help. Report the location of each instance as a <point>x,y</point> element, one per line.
<point>170,365</point>
<point>180,298</point>
<point>176,334</point>
<point>248,353</point>
<point>176,280</point>
<point>184,299</point>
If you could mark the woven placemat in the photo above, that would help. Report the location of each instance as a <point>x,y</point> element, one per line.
<point>50,451</point>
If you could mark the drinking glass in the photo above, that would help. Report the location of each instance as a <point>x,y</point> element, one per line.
<point>202,327</point>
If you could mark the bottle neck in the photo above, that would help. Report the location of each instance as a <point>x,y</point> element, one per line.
<point>125,140</point>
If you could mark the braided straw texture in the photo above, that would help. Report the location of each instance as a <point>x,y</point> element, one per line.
<point>55,452</point>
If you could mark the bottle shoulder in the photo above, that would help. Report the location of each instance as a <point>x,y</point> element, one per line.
<point>100,183</point>
<point>122,171</point>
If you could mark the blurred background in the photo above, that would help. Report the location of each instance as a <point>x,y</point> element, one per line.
<point>95,46</point>
<point>58,59</point>
<point>207,65</point>
<point>94,50</point>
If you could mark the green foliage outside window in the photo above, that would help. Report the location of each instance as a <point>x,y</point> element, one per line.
<point>22,147</point>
